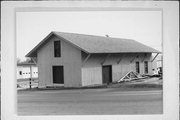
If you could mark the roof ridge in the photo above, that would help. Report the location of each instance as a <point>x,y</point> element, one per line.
<point>93,35</point>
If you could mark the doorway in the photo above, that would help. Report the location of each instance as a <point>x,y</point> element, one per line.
<point>58,74</point>
<point>107,74</point>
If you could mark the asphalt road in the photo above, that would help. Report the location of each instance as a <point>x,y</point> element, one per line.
<point>89,102</point>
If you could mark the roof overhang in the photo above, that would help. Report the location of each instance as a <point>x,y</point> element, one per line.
<point>33,52</point>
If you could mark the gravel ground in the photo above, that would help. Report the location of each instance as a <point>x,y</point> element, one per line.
<point>105,101</point>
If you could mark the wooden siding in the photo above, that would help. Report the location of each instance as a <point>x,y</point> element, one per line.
<point>126,64</point>
<point>78,72</point>
<point>91,76</point>
<point>70,59</point>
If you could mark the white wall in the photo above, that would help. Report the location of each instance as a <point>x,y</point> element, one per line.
<point>26,72</point>
<point>70,59</point>
<point>91,76</point>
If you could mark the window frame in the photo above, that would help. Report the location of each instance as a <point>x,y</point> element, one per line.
<point>57,48</point>
<point>146,67</point>
<point>137,66</point>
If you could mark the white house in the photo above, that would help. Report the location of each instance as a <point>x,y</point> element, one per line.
<point>74,60</point>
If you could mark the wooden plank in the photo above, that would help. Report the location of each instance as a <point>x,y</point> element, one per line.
<point>154,57</point>
<point>134,58</point>
<point>120,58</point>
<point>34,60</point>
<point>86,59</point>
<point>91,76</point>
<point>144,57</point>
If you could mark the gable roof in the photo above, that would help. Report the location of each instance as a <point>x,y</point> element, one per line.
<point>97,44</point>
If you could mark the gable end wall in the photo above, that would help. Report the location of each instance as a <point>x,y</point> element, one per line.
<point>70,59</point>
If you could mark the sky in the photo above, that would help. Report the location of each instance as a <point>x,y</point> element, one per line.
<point>142,26</point>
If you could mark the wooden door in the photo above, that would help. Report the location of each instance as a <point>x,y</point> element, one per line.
<point>58,75</point>
<point>107,74</point>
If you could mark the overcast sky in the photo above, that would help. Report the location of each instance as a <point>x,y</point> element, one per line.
<point>142,26</point>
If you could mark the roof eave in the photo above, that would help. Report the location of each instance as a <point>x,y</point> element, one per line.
<point>127,52</point>
<point>33,52</point>
<point>71,43</point>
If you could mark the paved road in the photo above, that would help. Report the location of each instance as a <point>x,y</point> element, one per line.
<point>89,102</point>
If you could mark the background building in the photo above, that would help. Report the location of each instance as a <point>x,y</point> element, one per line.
<point>25,70</point>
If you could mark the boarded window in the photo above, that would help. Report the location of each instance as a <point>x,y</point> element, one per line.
<point>146,67</point>
<point>137,67</point>
<point>57,49</point>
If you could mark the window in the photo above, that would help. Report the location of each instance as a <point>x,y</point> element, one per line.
<point>57,49</point>
<point>137,67</point>
<point>20,72</point>
<point>145,67</point>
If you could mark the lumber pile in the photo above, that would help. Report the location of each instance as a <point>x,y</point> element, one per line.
<point>131,76</point>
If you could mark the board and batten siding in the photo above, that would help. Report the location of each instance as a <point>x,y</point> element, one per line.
<point>125,65</point>
<point>91,76</point>
<point>92,68</point>
<point>70,59</point>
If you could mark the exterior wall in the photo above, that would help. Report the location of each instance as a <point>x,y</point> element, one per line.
<point>157,62</point>
<point>125,65</point>
<point>70,59</point>
<point>92,68</point>
<point>91,76</point>
<point>26,72</point>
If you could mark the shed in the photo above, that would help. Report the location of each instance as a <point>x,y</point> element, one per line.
<point>74,60</point>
